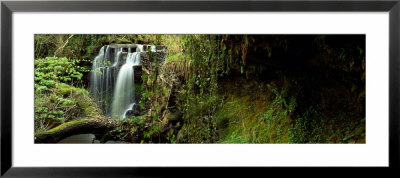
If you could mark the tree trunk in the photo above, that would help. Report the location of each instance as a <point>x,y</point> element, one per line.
<point>83,126</point>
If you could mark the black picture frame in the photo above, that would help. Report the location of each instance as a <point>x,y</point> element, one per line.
<point>8,7</point>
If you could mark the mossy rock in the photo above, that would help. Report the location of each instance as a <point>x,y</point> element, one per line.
<point>69,102</point>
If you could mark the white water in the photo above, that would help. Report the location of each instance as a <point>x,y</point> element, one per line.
<point>99,75</point>
<point>118,57</point>
<point>103,76</point>
<point>112,82</point>
<point>127,109</point>
<point>124,93</point>
<point>153,48</point>
<point>139,48</point>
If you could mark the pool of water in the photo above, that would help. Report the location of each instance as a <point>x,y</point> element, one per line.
<point>85,139</point>
<point>81,138</point>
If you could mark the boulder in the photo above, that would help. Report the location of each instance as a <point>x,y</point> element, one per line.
<point>173,116</point>
<point>135,111</point>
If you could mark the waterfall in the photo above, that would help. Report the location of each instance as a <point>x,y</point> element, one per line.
<point>104,70</point>
<point>112,82</point>
<point>124,93</point>
<point>118,57</point>
<point>100,77</point>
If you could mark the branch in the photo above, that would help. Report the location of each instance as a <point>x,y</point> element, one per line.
<point>62,47</point>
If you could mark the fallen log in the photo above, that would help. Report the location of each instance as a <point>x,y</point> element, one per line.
<point>82,126</point>
<point>103,128</point>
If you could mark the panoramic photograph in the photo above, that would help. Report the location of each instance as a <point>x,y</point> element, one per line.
<point>199,88</point>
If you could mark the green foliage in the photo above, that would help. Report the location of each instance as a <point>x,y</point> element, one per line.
<point>199,96</point>
<point>308,127</point>
<point>299,111</point>
<point>176,57</point>
<point>172,139</point>
<point>243,120</point>
<point>55,100</point>
<point>45,45</point>
<point>51,71</point>
<point>81,46</point>
<point>63,103</point>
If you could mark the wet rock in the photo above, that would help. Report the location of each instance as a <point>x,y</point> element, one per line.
<point>135,111</point>
<point>138,74</point>
<point>170,122</point>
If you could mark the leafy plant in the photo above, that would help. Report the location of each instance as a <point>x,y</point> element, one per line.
<point>52,71</point>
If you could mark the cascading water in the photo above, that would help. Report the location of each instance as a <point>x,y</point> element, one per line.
<point>112,82</point>
<point>124,93</point>
<point>105,68</point>
<point>100,75</point>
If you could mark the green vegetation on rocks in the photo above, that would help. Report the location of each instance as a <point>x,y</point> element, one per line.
<point>216,88</point>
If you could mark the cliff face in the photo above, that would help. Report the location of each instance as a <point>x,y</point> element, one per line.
<point>321,76</point>
<point>163,83</point>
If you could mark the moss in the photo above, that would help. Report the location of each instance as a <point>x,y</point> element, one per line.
<point>67,102</point>
<point>82,126</point>
<point>260,113</point>
<point>63,126</point>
